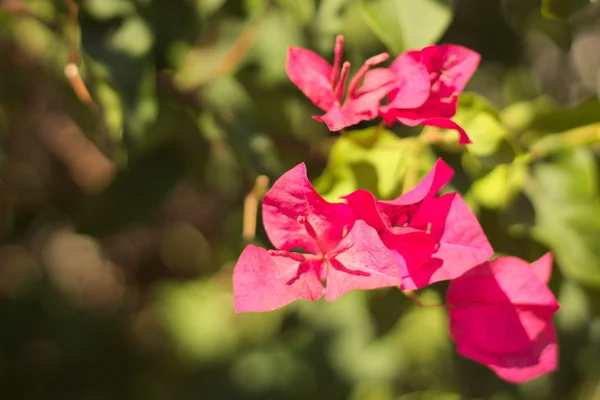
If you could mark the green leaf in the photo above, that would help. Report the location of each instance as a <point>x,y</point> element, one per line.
<point>481,122</point>
<point>373,160</point>
<point>199,317</point>
<point>562,8</point>
<point>206,8</point>
<point>564,195</point>
<point>406,24</point>
<point>550,118</point>
<point>500,185</point>
<point>301,11</point>
<point>107,9</point>
<point>133,37</point>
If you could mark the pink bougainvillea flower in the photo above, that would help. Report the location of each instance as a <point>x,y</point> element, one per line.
<point>296,216</point>
<point>449,68</point>
<point>439,238</point>
<point>325,85</point>
<point>501,316</point>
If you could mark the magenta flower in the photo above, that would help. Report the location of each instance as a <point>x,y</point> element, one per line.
<point>448,67</point>
<point>325,85</point>
<point>296,216</point>
<point>434,238</point>
<point>501,316</point>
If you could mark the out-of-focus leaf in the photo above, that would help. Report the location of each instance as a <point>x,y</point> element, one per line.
<point>562,8</point>
<point>564,194</point>
<point>273,37</point>
<point>550,119</point>
<point>133,37</point>
<point>134,195</point>
<point>204,63</point>
<point>584,136</point>
<point>369,159</point>
<point>206,8</point>
<point>575,310</point>
<point>234,112</point>
<point>124,69</point>
<point>481,122</point>
<point>200,317</point>
<point>500,185</point>
<point>302,11</point>
<point>106,9</point>
<point>406,24</point>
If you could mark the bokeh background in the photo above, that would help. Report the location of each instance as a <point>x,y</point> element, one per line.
<point>132,133</point>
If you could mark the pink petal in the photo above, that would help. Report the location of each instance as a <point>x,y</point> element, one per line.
<point>446,123</point>
<point>457,63</point>
<point>440,175</point>
<point>499,328</point>
<point>311,73</point>
<point>504,279</point>
<point>539,358</point>
<point>262,282</point>
<point>366,207</point>
<point>411,248</point>
<point>411,91</point>
<point>338,118</point>
<point>542,267</point>
<point>362,106</point>
<point>499,306</point>
<point>376,79</point>
<point>367,264</point>
<point>406,61</point>
<point>462,244</point>
<point>292,196</point>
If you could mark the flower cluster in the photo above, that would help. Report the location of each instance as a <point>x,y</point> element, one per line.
<point>500,311</point>
<point>421,86</point>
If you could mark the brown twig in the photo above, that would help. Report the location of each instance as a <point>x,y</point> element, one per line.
<point>71,69</point>
<point>412,295</point>
<point>251,207</point>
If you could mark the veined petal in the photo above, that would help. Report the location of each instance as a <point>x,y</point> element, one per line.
<point>292,196</point>
<point>262,282</point>
<point>456,64</point>
<point>338,118</point>
<point>440,175</point>
<point>366,264</point>
<point>311,74</point>
<point>411,90</point>
<point>461,242</point>
<point>366,207</point>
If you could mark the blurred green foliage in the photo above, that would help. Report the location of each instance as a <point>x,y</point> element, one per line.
<point>121,214</point>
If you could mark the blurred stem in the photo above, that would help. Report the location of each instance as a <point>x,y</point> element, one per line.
<point>251,207</point>
<point>71,69</point>
<point>412,172</point>
<point>578,137</point>
<point>412,295</point>
<point>236,53</point>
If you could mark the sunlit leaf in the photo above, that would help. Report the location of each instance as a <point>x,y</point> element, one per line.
<point>481,122</point>
<point>376,160</point>
<point>562,8</point>
<point>499,186</point>
<point>564,194</point>
<point>406,24</point>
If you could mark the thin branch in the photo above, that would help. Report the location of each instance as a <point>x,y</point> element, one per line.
<point>251,207</point>
<point>71,69</point>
